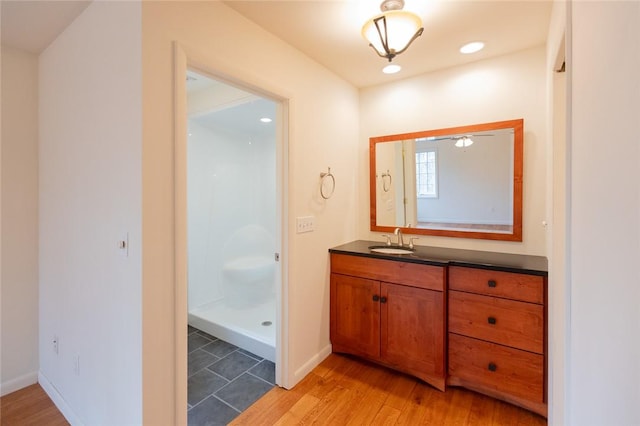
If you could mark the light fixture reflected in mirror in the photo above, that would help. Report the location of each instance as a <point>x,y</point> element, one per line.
<point>464,142</point>
<point>392,32</point>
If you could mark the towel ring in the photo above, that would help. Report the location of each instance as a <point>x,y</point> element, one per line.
<point>386,187</point>
<point>323,177</point>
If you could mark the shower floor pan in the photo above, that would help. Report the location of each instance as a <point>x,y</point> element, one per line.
<point>252,329</point>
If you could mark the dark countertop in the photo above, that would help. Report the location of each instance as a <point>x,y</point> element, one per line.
<point>518,263</point>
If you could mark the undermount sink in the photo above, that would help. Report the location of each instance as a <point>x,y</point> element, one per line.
<point>390,250</point>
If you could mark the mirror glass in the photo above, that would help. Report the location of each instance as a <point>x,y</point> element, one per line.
<point>459,182</point>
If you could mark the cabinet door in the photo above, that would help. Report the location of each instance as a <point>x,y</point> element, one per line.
<point>355,315</point>
<point>412,331</point>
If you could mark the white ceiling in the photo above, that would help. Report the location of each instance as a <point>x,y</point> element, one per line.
<point>219,106</point>
<point>328,31</point>
<point>33,25</point>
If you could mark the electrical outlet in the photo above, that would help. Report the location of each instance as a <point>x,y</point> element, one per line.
<point>304,224</point>
<point>54,344</point>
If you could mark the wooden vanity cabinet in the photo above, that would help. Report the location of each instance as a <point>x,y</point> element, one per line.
<point>389,312</point>
<point>496,333</point>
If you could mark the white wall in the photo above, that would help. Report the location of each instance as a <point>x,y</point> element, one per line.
<point>231,184</point>
<point>503,88</point>
<point>604,243</point>
<point>475,184</point>
<point>90,195</point>
<point>19,220</point>
<point>323,132</point>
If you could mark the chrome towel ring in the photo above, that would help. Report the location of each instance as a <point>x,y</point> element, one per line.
<point>324,177</point>
<point>386,186</point>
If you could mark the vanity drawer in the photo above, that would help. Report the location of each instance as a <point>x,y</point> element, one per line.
<point>516,324</point>
<point>405,273</point>
<point>495,368</point>
<point>527,288</point>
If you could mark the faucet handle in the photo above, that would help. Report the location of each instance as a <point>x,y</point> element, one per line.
<point>411,241</point>
<point>388,239</point>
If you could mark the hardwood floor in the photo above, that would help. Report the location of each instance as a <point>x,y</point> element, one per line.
<point>346,391</point>
<point>29,406</point>
<point>341,391</point>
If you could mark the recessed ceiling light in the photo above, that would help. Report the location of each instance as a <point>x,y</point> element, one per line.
<point>266,120</point>
<point>391,69</point>
<point>472,47</point>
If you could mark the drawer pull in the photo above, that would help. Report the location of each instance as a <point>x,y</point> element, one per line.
<point>492,367</point>
<point>491,320</point>
<point>492,283</point>
<point>383,299</point>
<point>376,297</point>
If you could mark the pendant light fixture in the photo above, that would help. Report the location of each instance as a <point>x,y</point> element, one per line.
<point>392,32</point>
<point>464,142</point>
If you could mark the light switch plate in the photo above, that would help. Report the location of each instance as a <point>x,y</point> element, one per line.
<point>305,224</point>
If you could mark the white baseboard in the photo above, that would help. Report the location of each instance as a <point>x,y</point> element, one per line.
<point>18,383</point>
<point>58,400</point>
<point>301,372</point>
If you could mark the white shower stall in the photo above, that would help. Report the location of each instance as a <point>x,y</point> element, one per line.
<point>232,216</point>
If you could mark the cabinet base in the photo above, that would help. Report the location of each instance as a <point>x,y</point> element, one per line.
<point>536,407</point>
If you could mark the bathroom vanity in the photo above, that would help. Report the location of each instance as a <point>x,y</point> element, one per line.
<point>449,317</point>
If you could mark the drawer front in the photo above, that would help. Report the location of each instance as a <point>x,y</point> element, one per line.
<point>413,274</point>
<point>497,368</point>
<point>527,288</point>
<point>516,324</point>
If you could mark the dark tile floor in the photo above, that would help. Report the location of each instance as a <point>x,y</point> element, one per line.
<point>223,379</point>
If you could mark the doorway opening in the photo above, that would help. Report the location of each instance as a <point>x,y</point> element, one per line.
<point>233,219</point>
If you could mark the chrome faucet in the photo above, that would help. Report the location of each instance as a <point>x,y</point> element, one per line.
<point>398,232</point>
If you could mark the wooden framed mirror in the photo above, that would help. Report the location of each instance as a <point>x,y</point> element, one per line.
<point>461,182</point>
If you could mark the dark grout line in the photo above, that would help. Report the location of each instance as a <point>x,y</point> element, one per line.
<point>258,377</point>
<point>225,402</point>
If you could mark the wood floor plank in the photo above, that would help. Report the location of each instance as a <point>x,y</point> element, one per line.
<point>373,398</point>
<point>387,416</point>
<point>400,391</point>
<point>334,400</point>
<point>30,406</point>
<point>459,408</point>
<point>414,412</point>
<point>299,410</point>
<point>482,410</point>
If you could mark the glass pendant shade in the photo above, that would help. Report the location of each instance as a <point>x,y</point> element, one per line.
<point>392,32</point>
<point>464,142</point>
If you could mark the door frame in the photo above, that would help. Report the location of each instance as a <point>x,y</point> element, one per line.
<point>184,59</point>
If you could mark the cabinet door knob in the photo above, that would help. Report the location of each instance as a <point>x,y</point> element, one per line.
<point>376,297</point>
<point>383,299</point>
<point>492,367</point>
<point>491,320</point>
<point>492,283</point>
